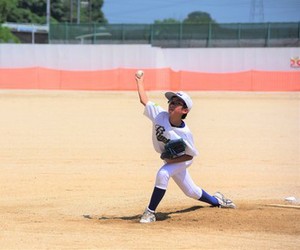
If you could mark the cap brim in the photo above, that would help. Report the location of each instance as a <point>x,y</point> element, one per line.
<point>170,95</point>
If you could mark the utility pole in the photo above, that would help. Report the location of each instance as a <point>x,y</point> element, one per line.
<point>78,11</point>
<point>90,10</point>
<point>48,14</point>
<point>257,10</point>
<point>71,11</point>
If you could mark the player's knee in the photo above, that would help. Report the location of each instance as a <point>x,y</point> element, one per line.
<point>193,193</point>
<point>162,179</point>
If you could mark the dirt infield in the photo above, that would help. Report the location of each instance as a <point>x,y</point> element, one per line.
<point>77,170</point>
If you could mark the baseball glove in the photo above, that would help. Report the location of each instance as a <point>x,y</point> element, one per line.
<point>174,149</point>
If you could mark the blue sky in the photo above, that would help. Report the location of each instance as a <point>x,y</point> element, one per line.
<point>222,11</point>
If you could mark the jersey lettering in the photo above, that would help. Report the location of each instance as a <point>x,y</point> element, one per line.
<point>159,134</point>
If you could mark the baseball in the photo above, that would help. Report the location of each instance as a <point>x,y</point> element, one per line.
<point>290,199</point>
<point>139,73</point>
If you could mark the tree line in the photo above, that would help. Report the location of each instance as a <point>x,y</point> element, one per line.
<point>89,11</point>
<point>34,11</point>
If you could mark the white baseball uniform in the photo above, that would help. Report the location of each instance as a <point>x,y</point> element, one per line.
<point>162,132</point>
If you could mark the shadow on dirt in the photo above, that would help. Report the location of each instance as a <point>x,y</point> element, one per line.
<point>159,216</point>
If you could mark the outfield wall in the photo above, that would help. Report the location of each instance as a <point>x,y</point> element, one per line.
<point>112,67</point>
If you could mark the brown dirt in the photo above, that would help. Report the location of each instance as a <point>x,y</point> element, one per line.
<point>77,170</point>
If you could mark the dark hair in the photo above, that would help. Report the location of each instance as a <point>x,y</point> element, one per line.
<point>185,107</point>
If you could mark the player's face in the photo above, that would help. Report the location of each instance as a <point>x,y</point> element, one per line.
<point>177,106</point>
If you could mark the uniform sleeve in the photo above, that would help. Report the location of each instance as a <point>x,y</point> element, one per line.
<point>152,110</point>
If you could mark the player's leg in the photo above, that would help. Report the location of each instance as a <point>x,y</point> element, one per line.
<point>185,182</point>
<point>162,180</point>
<point>161,184</point>
<point>149,214</point>
<point>187,185</point>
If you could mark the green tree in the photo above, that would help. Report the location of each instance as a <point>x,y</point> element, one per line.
<point>57,10</point>
<point>194,17</point>
<point>6,7</point>
<point>7,37</point>
<point>198,17</point>
<point>167,21</point>
<point>29,11</point>
<point>92,12</point>
<point>34,11</point>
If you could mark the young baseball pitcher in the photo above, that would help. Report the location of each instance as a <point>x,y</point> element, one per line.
<point>173,140</point>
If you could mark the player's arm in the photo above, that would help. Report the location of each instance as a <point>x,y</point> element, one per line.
<point>139,78</point>
<point>179,159</point>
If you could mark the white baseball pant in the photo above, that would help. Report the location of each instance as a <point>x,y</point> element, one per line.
<point>181,176</point>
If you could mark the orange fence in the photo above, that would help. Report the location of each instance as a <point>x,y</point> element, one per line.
<point>155,79</point>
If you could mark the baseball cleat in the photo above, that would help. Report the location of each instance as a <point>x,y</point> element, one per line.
<point>224,202</point>
<point>148,217</point>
